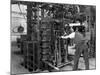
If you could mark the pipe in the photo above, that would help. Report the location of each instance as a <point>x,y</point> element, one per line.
<point>62,65</point>
<point>56,68</point>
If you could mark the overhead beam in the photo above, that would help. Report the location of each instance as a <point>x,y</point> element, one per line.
<point>21,2</point>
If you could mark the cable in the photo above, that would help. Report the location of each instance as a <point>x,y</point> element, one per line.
<point>23,16</point>
<point>13,30</point>
<point>20,29</point>
<point>21,10</point>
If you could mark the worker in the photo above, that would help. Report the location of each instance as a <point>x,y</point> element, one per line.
<point>81,47</point>
<point>67,42</point>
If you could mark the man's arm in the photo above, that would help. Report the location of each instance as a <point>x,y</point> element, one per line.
<point>72,35</point>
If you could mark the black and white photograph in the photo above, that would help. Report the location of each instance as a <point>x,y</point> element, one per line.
<point>52,37</point>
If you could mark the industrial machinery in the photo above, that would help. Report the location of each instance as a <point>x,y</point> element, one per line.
<point>42,48</point>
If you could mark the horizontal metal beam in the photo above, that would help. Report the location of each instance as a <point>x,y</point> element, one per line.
<point>15,12</point>
<point>21,2</point>
<point>24,2</point>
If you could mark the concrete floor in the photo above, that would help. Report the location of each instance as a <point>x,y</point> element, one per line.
<point>16,68</point>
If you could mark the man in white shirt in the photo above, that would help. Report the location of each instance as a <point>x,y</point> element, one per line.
<point>81,47</point>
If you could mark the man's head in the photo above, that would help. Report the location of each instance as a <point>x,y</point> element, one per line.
<point>81,30</point>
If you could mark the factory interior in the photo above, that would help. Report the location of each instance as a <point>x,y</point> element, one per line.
<point>35,31</point>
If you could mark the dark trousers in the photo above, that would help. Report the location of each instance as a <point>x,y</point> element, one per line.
<point>81,48</point>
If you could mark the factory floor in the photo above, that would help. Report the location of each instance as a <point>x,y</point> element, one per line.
<point>16,59</point>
